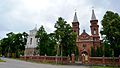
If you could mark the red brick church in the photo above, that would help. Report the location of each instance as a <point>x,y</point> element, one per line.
<point>84,41</point>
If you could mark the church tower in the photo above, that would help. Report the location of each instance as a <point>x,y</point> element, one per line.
<point>75,24</point>
<point>30,48</point>
<point>94,27</point>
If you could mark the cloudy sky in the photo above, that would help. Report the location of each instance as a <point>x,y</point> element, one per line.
<point>23,15</point>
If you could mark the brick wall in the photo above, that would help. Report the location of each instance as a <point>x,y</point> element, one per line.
<point>54,59</point>
<point>104,60</point>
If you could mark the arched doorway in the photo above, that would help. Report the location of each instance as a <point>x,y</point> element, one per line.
<point>84,57</point>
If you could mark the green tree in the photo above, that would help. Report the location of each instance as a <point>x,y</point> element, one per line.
<point>24,41</point>
<point>111,31</point>
<point>13,45</point>
<point>0,49</point>
<point>42,41</point>
<point>4,45</point>
<point>51,51</point>
<point>10,47</point>
<point>92,52</point>
<point>66,38</point>
<point>99,52</point>
<point>24,37</point>
<point>107,49</point>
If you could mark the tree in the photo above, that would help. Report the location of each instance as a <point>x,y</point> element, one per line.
<point>24,36</point>
<point>107,49</point>
<point>92,52</point>
<point>51,51</point>
<point>111,31</point>
<point>4,45</point>
<point>99,51</point>
<point>13,45</point>
<point>24,41</point>
<point>42,41</point>
<point>66,38</point>
<point>11,48</point>
<point>0,48</point>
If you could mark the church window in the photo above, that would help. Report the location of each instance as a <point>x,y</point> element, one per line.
<point>94,32</point>
<point>30,41</point>
<point>94,39</point>
<point>74,25</point>
<point>84,46</point>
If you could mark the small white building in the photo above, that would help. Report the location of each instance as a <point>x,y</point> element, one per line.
<point>30,48</point>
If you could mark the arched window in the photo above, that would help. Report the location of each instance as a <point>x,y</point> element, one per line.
<point>30,41</point>
<point>94,32</point>
<point>84,46</point>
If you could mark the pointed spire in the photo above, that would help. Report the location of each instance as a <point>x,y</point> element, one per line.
<point>93,15</point>
<point>35,27</point>
<point>75,17</point>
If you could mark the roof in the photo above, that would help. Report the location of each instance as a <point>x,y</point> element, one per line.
<point>75,17</point>
<point>93,15</point>
<point>84,36</point>
<point>84,33</point>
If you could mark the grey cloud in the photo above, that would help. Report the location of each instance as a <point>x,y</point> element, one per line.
<point>16,17</point>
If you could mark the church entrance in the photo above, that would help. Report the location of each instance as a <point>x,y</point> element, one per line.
<point>84,57</point>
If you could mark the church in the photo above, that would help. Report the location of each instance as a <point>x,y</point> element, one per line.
<point>85,41</point>
<point>30,48</point>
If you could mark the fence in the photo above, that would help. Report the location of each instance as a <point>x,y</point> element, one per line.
<point>54,59</point>
<point>104,60</point>
<point>66,60</point>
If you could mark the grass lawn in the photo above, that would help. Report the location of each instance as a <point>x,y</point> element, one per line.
<point>104,67</point>
<point>2,60</point>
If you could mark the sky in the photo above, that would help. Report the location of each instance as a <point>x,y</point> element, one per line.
<point>23,15</point>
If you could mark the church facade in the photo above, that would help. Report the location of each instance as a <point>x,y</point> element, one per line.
<point>85,41</point>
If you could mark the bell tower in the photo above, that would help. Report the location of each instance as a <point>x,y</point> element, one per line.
<point>75,24</point>
<point>94,27</point>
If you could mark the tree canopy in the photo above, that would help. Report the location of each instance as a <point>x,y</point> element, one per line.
<point>111,31</point>
<point>62,41</point>
<point>42,41</point>
<point>14,44</point>
<point>66,38</point>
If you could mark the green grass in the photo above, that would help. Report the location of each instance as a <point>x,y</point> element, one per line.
<point>2,60</point>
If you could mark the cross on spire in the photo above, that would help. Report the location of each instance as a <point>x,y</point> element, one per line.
<point>75,17</point>
<point>93,14</point>
<point>35,27</point>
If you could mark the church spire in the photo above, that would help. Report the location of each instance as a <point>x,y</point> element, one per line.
<point>94,26</point>
<point>35,27</point>
<point>93,15</point>
<point>75,17</point>
<point>75,24</point>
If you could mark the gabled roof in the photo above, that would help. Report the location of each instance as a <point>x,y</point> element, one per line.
<point>84,36</point>
<point>84,33</point>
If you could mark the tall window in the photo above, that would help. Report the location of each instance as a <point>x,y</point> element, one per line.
<point>94,39</point>
<point>30,41</point>
<point>84,46</point>
<point>94,32</point>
